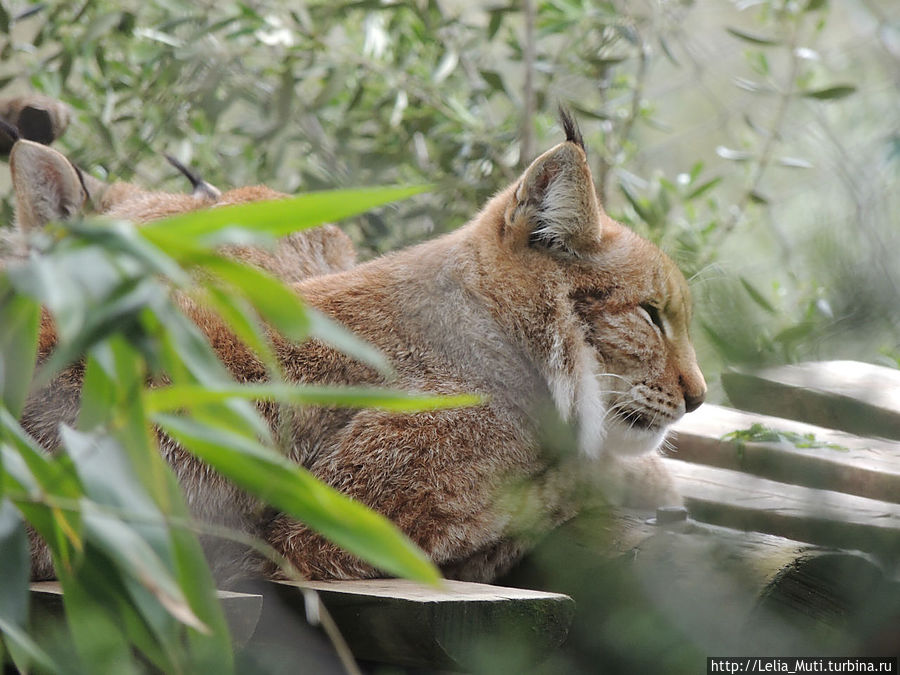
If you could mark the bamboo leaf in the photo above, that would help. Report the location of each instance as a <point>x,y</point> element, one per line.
<point>292,489</point>
<point>19,322</point>
<point>109,478</point>
<point>187,396</point>
<point>278,217</point>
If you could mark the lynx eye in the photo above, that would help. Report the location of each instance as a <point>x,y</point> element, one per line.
<point>653,316</point>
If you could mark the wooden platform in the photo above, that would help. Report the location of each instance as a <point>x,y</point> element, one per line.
<point>861,398</point>
<point>387,620</point>
<point>403,623</point>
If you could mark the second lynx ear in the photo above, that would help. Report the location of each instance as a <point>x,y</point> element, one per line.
<point>557,203</point>
<point>47,186</point>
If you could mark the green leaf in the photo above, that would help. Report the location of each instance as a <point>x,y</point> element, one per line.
<point>116,313</point>
<point>4,20</point>
<point>493,79</point>
<point>703,188</point>
<point>331,332</point>
<point>138,550</point>
<point>293,490</point>
<point>644,211</point>
<point>123,237</point>
<point>14,566</point>
<point>284,310</point>
<point>186,396</point>
<point>22,646</point>
<point>830,93</point>
<point>495,21</point>
<point>277,218</point>
<point>757,297</point>
<point>752,38</point>
<point>19,324</point>
<point>814,5</point>
<point>94,604</point>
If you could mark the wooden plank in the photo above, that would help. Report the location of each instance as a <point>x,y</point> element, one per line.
<point>242,610</point>
<point>849,395</point>
<point>403,623</point>
<point>823,517</point>
<point>767,593</point>
<point>865,466</point>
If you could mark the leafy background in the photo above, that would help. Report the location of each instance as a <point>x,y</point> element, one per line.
<point>715,128</point>
<point>757,141</point>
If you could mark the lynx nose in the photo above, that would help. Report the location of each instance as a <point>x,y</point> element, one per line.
<point>693,401</point>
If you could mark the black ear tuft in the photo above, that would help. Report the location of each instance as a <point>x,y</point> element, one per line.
<point>8,136</point>
<point>570,126</point>
<point>195,180</point>
<point>9,130</point>
<point>201,187</point>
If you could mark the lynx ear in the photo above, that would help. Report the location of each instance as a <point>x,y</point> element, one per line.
<point>555,202</point>
<point>48,187</point>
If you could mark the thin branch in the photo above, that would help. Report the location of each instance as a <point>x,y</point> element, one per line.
<point>787,93</point>
<point>527,145</point>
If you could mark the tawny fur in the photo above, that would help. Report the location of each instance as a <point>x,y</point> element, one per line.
<point>540,301</point>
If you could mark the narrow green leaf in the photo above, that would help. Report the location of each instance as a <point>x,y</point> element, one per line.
<point>495,21</point>
<point>331,332</point>
<point>139,550</point>
<point>238,314</point>
<point>292,489</point>
<point>752,38</point>
<point>493,79</point>
<point>643,210</point>
<point>831,93</point>
<point>116,313</point>
<point>667,50</point>
<point>19,640</point>
<point>13,565</point>
<point>94,615</point>
<point>19,323</point>
<point>285,311</point>
<point>275,302</point>
<point>278,217</point>
<point>757,297</point>
<point>186,396</point>
<point>703,188</point>
<point>123,237</point>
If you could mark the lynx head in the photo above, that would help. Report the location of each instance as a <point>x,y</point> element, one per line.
<point>604,311</point>
<point>50,188</point>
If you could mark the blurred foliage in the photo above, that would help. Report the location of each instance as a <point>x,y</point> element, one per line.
<point>137,589</point>
<point>766,126</point>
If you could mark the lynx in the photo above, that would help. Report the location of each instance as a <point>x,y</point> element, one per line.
<point>540,301</point>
